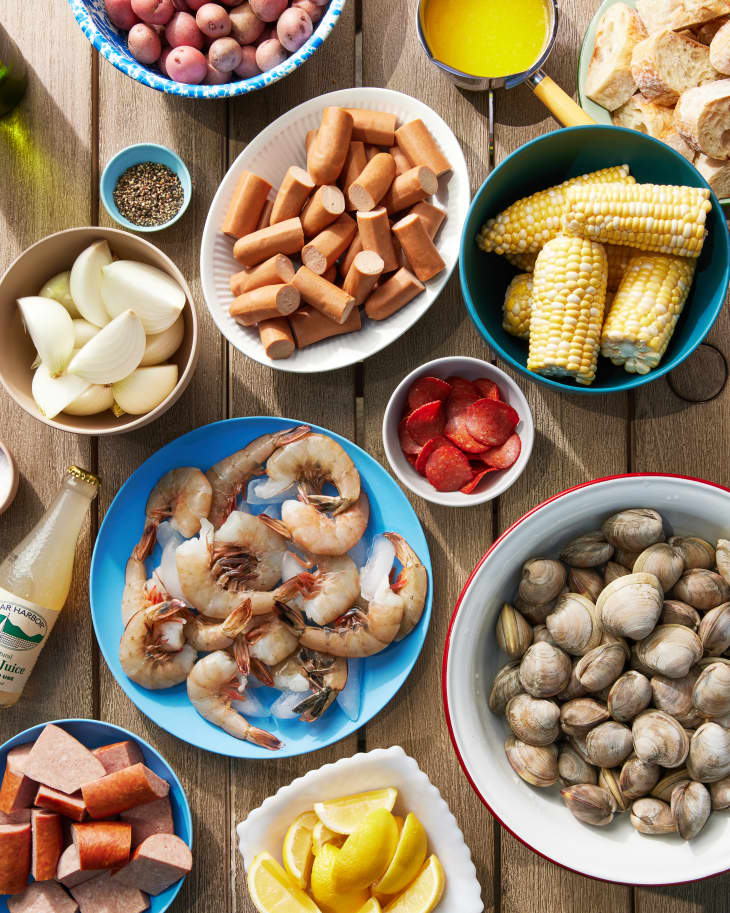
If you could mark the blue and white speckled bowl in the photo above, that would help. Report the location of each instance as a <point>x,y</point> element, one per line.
<point>111,43</point>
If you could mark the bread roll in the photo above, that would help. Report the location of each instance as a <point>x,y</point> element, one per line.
<point>666,63</point>
<point>658,15</point>
<point>720,49</point>
<point>657,120</point>
<point>609,82</point>
<point>702,117</point>
<point>716,172</point>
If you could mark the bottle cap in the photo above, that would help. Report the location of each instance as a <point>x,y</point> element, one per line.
<point>84,475</point>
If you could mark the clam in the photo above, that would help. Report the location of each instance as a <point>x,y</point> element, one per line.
<point>542,580</point>
<point>660,739</point>
<point>696,552</point>
<point>613,571</point>
<point>709,753</point>
<point>663,561</point>
<point>536,765</point>
<point>506,685</point>
<point>609,780</point>
<point>590,804</point>
<point>574,624</point>
<point>670,650</point>
<point>540,634</point>
<point>714,630</point>
<point>652,816</point>
<point>701,588</point>
<point>675,612</point>
<point>723,559</point>
<point>628,696</point>
<point>601,666</point>
<point>585,581</point>
<point>691,806</point>
<point>637,665</point>
<point>574,688</point>
<point>579,716</point>
<point>674,695</point>
<point>634,530</point>
<point>533,720</point>
<point>665,785</point>
<point>544,670</point>
<point>637,777</point>
<point>578,744</point>
<point>625,558</point>
<point>573,769</point>
<point>535,613</point>
<point>514,634</point>
<point>588,550</point>
<point>631,605</point>
<point>711,693</point>
<point>720,794</point>
<point>609,744</point>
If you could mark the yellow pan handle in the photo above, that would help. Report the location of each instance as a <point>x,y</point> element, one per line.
<point>560,104</point>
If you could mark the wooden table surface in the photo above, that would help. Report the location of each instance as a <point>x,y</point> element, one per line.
<point>78,112</point>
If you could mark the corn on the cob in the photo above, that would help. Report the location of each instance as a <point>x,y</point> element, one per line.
<point>568,298</point>
<point>645,311</point>
<point>532,221</point>
<point>618,258</point>
<point>655,217</point>
<point>517,305</point>
<point>524,262</point>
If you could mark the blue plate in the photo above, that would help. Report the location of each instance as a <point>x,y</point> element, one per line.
<point>93,734</point>
<point>383,674</point>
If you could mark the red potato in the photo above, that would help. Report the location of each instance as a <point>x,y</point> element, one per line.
<point>270,54</point>
<point>153,12</point>
<point>121,14</point>
<point>182,31</point>
<point>246,27</point>
<point>144,43</point>
<point>268,10</point>
<point>216,77</point>
<point>294,28</point>
<point>224,54</point>
<point>162,62</point>
<point>181,6</point>
<point>187,65</point>
<point>195,5</point>
<point>213,20</point>
<point>268,33</point>
<point>248,66</point>
<point>314,11</point>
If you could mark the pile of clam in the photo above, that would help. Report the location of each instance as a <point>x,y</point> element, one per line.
<point>618,685</point>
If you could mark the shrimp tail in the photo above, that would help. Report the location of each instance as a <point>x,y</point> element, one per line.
<point>333,503</point>
<point>263,739</point>
<point>293,617</point>
<point>236,622</point>
<point>241,655</point>
<point>147,542</point>
<point>276,525</point>
<point>262,672</point>
<point>313,707</point>
<point>291,434</point>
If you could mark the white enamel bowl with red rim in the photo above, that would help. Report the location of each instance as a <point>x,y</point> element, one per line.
<point>538,817</point>
<point>493,483</point>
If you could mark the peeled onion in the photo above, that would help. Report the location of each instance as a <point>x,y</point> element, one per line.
<point>85,282</point>
<point>50,327</point>
<point>377,568</point>
<point>160,346</point>
<point>54,394</point>
<point>83,332</point>
<point>58,288</point>
<point>144,389</point>
<point>96,399</point>
<point>158,299</point>
<point>113,353</point>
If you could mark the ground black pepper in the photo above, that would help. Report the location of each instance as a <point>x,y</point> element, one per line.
<point>148,194</point>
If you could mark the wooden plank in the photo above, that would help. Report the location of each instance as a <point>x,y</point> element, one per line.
<point>46,187</point>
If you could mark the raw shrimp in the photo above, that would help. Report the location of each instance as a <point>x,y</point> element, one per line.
<point>229,477</point>
<point>209,635</point>
<point>184,495</point>
<point>319,534</point>
<point>139,592</point>
<point>411,584</point>
<point>328,592</point>
<point>152,650</point>
<point>241,560</point>
<point>215,681</point>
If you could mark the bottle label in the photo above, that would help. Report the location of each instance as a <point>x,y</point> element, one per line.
<point>24,628</point>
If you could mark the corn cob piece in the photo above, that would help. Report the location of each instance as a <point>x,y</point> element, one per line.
<point>524,262</point>
<point>618,257</point>
<point>532,221</point>
<point>655,217</point>
<point>517,306</point>
<point>645,310</point>
<point>568,298</point>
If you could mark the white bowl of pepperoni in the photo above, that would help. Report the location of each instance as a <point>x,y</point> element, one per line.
<point>458,431</point>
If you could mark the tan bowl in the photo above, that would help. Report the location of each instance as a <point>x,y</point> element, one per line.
<point>37,265</point>
<point>8,496</point>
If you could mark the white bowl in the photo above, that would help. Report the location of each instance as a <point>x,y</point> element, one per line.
<point>494,483</point>
<point>277,147</point>
<point>538,817</point>
<point>265,827</point>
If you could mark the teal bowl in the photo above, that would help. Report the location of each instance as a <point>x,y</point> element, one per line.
<point>549,160</point>
<point>135,155</point>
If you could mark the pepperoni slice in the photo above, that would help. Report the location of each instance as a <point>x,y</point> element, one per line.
<point>426,451</point>
<point>478,476</point>
<point>426,422</point>
<point>407,444</point>
<point>503,457</point>
<point>462,385</point>
<point>448,469</point>
<point>491,421</point>
<point>487,388</point>
<point>455,429</point>
<point>426,390</point>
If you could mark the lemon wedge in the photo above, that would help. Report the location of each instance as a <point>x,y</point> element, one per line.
<point>297,849</point>
<point>343,815</point>
<point>273,890</point>
<point>422,895</point>
<point>323,888</point>
<point>321,834</point>
<point>410,855</point>
<point>367,852</point>
<point>372,906</point>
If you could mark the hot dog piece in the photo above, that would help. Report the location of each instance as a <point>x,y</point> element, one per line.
<point>401,160</point>
<point>48,897</point>
<point>323,295</point>
<point>265,217</point>
<point>352,251</point>
<point>376,127</point>
<point>331,274</point>
<point>264,303</point>
<point>375,234</point>
<point>371,151</point>
<point>102,844</point>
<point>17,790</point>
<point>22,816</point>
<point>156,864</point>
<point>354,164</point>
<point>326,156</point>
<point>420,147</point>
<point>310,326</point>
<point>327,205</point>
<point>54,800</point>
<point>245,207</point>
<point>324,250</point>
<point>283,238</point>
<point>292,195</point>
<point>47,837</point>
<point>392,295</point>
<point>364,273</point>
<point>309,139</point>
<point>432,217</point>
<point>150,818</point>
<point>122,790</point>
<point>422,255</point>
<point>118,755</point>
<point>103,895</point>
<point>60,761</point>
<point>369,189</point>
<point>276,337</point>
<point>69,868</point>
<point>274,271</point>
<point>410,188</point>
<point>14,857</point>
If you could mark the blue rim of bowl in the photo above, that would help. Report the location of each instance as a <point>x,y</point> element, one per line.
<point>632,381</point>
<point>155,79</point>
<point>114,211</point>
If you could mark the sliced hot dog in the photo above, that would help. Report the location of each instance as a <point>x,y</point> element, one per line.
<point>119,755</point>
<point>60,761</point>
<point>47,836</point>
<point>54,800</point>
<point>157,863</point>
<point>14,857</point>
<point>17,790</point>
<point>45,897</point>
<point>151,818</point>
<point>22,816</point>
<point>122,790</point>
<point>69,868</point>
<point>103,895</point>
<point>102,844</point>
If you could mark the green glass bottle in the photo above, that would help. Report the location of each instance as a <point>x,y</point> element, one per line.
<point>13,74</point>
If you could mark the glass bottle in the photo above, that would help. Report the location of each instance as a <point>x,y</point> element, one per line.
<point>13,74</point>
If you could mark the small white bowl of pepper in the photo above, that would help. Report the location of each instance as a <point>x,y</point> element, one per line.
<point>146,187</point>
